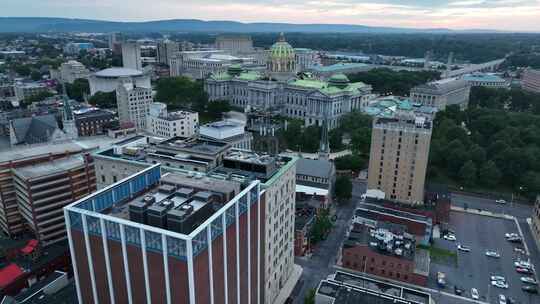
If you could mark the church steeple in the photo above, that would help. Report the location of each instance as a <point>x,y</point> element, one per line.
<point>324,146</point>
<point>68,118</point>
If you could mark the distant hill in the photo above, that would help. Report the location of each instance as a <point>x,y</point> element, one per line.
<point>32,24</point>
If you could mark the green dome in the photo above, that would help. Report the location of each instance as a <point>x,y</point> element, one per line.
<point>339,78</point>
<point>281,49</point>
<point>234,69</point>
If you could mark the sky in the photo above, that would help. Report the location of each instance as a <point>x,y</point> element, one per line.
<point>509,15</point>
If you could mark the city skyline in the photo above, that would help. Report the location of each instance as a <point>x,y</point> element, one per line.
<point>507,15</point>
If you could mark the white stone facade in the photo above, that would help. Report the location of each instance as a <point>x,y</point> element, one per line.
<point>133,104</point>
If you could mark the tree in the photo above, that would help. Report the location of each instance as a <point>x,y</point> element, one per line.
<point>489,175</point>
<point>181,93</point>
<point>35,75</point>
<point>103,100</point>
<point>38,97</point>
<point>321,227</point>
<point>343,188</point>
<point>352,162</point>
<point>78,89</point>
<point>335,139</point>
<point>310,296</point>
<point>467,173</point>
<point>216,108</point>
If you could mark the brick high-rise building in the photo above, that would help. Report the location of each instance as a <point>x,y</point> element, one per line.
<point>183,237</point>
<point>399,156</point>
<point>34,189</point>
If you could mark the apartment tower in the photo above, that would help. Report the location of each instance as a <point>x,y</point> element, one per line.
<point>399,156</point>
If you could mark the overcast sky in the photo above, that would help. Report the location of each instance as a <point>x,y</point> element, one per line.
<point>520,15</point>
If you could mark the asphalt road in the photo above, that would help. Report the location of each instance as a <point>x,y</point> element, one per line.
<point>321,263</point>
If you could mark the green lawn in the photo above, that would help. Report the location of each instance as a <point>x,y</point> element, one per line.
<point>441,256</point>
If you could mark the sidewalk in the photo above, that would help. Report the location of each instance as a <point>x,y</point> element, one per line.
<point>289,285</point>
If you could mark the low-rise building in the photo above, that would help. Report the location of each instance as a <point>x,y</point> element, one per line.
<point>108,80</point>
<point>442,93</point>
<point>315,181</point>
<point>92,121</point>
<point>386,250</point>
<point>23,90</point>
<point>304,220</point>
<point>487,80</point>
<point>74,48</point>
<point>531,80</point>
<point>72,70</point>
<point>201,64</point>
<point>35,129</point>
<point>178,153</point>
<point>372,215</point>
<point>326,71</point>
<point>347,288</point>
<point>171,124</point>
<point>230,131</point>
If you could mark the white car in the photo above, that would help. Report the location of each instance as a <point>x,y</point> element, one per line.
<point>500,201</point>
<point>519,250</point>
<point>523,264</point>
<point>499,284</point>
<point>463,248</point>
<point>493,254</point>
<point>528,280</point>
<point>511,235</point>
<point>498,278</point>
<point>502,299</point>
<point>449,237</point>
<point>474,294</point>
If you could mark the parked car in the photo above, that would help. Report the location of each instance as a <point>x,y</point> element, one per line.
<point>523,264</point>
<point>512,234</point>
<point>458,291</point>
<point>529,289</point>
<point>500,201</point>
<point>449,237</point>
<point>493,254</point>
<point>524,270</point>
<point>502,299</point>
<point>528,280</point>
<point>499,284</point>
<point>519,250</point>
<point>463,248</point>
<point>498,278</point>
<point>514,239</point>
<point>474,294</point>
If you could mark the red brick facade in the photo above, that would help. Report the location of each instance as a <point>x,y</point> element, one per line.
<point>363,259</point>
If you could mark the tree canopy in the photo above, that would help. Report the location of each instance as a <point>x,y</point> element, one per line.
<point>386,81</point>
<point>343,188</point>
<point>78,89</point>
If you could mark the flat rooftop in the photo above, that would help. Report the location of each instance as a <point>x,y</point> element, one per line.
<point>81,144</point>
<point>348,288</point>
<point>50,168</point>
<point>366,209</point>
<point>179,195</point>
<point>197,145</point>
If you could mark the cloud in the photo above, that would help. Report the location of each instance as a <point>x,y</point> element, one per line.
<point>520,15</point>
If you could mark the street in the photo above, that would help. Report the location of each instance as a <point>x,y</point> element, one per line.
<point>321,263</point>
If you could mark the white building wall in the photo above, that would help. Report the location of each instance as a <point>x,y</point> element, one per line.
<point>134,104</point>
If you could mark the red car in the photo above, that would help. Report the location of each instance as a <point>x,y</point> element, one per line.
<point>523,270</point>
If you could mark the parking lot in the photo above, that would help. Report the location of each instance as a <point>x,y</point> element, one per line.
<point>474,268</point>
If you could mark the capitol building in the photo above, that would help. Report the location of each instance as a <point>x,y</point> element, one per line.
<point>281,89</point>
